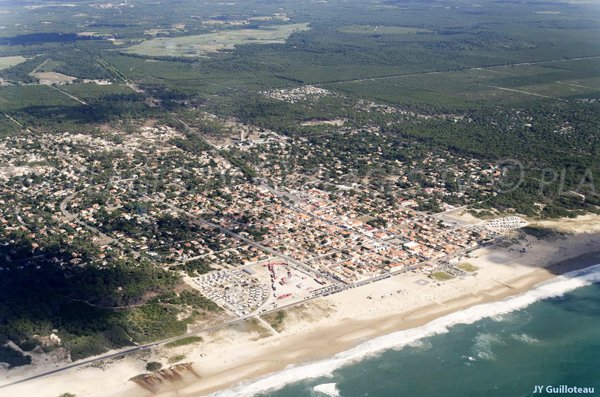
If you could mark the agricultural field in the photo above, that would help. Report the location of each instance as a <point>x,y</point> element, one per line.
<point>7,62</point>
<point>53,78</point>
<point>204,44</point>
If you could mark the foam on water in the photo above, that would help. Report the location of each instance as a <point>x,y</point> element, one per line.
<point>484,344</point>
<point>501,317</point>
<point>530,340</point>
<point>419,345</point>
<point>553,288</point>
<point>329,389</point>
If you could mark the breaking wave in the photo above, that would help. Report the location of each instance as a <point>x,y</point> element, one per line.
<point>329,389</point>
<point>325,368</point>
<point>418,345</point>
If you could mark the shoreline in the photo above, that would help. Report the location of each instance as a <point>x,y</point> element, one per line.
<point>418,317</point>
<point>321,329</point>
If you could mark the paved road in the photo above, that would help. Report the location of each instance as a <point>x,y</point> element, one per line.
<point>271,251</point>
<point>130,350</point>
<point>122,352</point>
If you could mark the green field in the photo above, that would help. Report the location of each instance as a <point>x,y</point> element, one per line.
<point>7,62</point>
<point>468,267</point>
<point>15,97</point>
<point>376,29</point>
<point>441,276</point>
<point>516,84</point>
<point>203,44</point>
<point>91,91</point>
<point>188,340</point>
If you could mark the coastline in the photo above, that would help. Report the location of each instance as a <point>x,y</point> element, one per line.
<point>347,335</point>
<point>321,329</point>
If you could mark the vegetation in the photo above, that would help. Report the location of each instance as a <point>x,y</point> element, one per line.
<point>13,357</point>
<point>193,46</point>
<point>194,267</point>
<point>539,232</point>
<point>188,340</point>
<point>467,267</point>
<point>441,276</point>
<point>153,366</point>
<point>276,320</point>
<point>176,358</point>
<point>94,309</point>
<point>247,170</point>
<point>381,30</point>
<point>7,62</point>
<point>252,325</point>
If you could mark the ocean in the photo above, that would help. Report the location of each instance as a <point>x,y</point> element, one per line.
<point>548,337</point>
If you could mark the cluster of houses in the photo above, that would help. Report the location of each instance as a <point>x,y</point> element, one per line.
<point>293,95</point>
<point>152,195</point>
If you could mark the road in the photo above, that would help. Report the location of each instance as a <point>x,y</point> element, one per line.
<point>73,97</point>
<point>457,70</point>
<point>271,251</point>
<point>41,65</point>
<point>13,120</point>
<point>73,217</point>
<point>122,352</point>
<point>131,350</point>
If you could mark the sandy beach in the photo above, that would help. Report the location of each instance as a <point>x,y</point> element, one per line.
<point>326,326</point>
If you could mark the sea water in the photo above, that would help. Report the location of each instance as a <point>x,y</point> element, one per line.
<point>548,337</point>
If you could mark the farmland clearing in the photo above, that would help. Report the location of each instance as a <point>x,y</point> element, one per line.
<point>203,44</point>
<point>7,62</point>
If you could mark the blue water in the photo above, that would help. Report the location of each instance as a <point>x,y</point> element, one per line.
<point>553,341</point>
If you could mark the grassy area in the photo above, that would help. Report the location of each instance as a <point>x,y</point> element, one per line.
<point>184,341</point>
<point>91,91</point>
<point>254,326</point>
<point>468,267</point>
<point>7,62</point>
<point>377,29</point>
<point>441,276</point>
<point>198,45</point>
<point>52,78</point>
<point>176,358</point>
<point>276,320</point>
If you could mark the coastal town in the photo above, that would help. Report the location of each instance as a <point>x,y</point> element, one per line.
<point>250,245</point>
<point>298,198</point>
